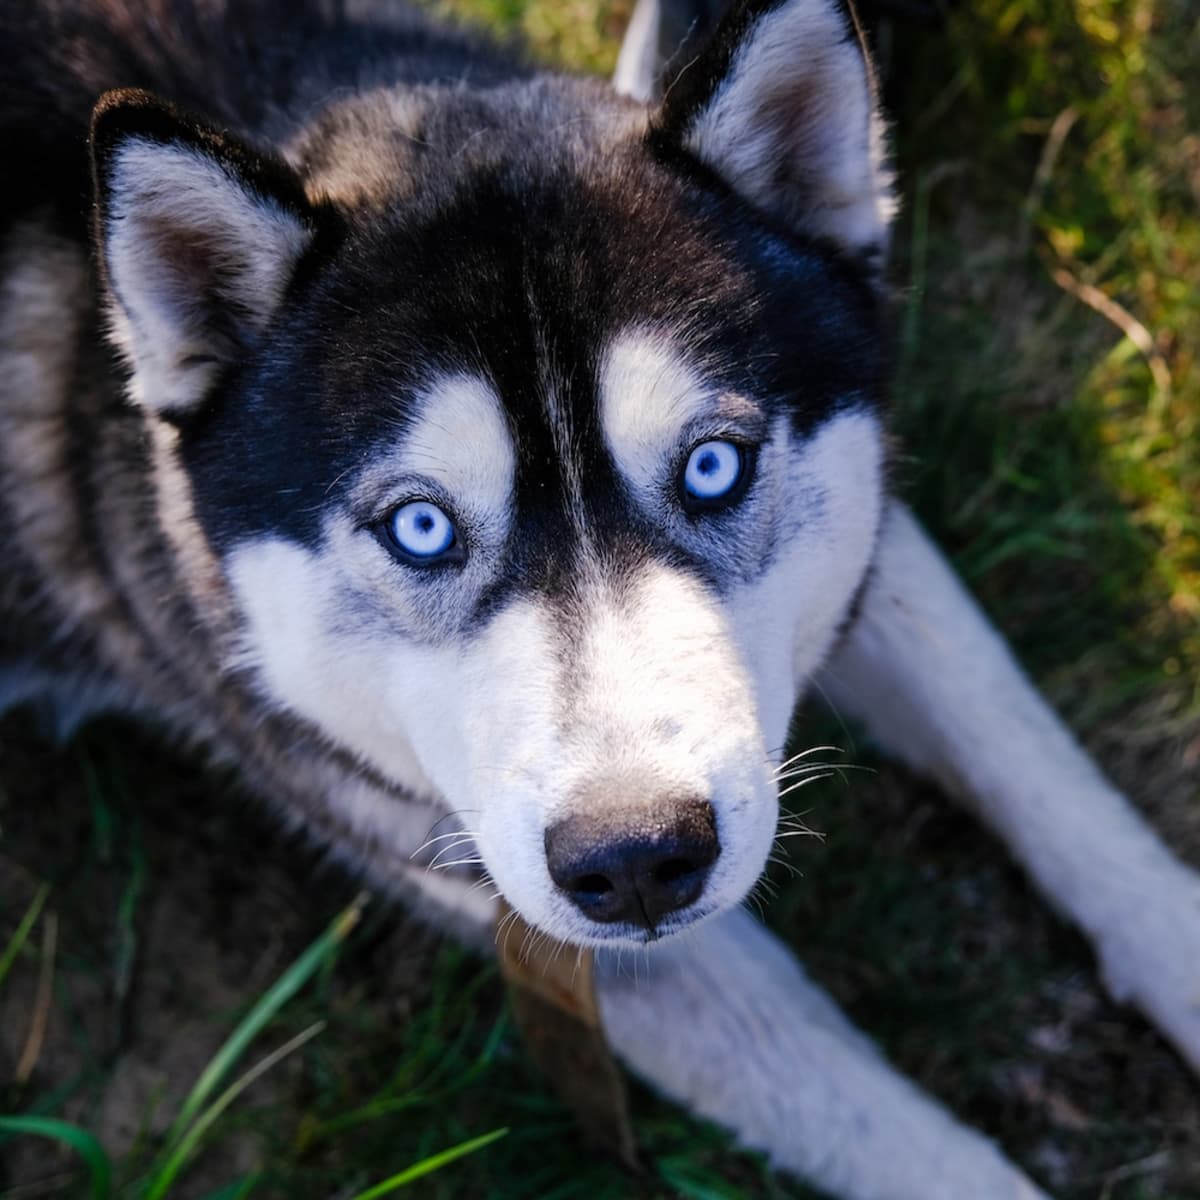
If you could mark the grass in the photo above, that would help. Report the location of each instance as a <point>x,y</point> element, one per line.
<point>1072,456</point>
<point>1048,398</point>
<point>203,1106</point>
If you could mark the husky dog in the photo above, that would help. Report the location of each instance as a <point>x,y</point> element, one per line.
<point>449,445</point>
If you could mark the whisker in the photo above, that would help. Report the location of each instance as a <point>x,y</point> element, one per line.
<point>767,886</point>
<point>795,787</point>
<point>460,837</point>
<point>835,768</point>
<point>558,949</point>
<point>464,844</point>
<point>441,837</point>
<point>454,812</point>
<point>795,758</point>
<point>505,926</point>
<point>531,934</point>
<point>458,862</point>
<point>791,820</point>
<point>780,861</point>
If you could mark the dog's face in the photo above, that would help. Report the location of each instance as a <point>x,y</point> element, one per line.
<point>538,437</point>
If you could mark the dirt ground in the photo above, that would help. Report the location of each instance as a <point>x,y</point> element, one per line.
<point>143,998</point>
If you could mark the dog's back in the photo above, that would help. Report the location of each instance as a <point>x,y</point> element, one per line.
<point>257,69</point>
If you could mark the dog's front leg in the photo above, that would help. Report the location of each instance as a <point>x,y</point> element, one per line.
<point>725,1021</point>
<point>936,686</point>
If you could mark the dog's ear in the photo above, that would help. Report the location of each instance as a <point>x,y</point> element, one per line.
<point>780,102</point>
<point>198,237</point>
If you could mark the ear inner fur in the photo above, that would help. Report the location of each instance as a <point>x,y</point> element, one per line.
<point>781,104</point>
<point>198,237</point>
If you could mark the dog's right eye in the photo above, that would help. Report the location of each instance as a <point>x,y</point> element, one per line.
<point>715,475</point>
<point>422,534</point>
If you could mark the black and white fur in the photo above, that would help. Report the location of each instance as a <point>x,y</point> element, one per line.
<point>337,261</point>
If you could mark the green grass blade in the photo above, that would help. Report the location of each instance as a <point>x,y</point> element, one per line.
<point>428,1165</point>
<point>23,930</point>
<point>686,1181</point>
<point>284,988</point>
<point>176,1158</point>
<point>391,1105</point>
<point>238,1190</point>
<point>77,1139</point>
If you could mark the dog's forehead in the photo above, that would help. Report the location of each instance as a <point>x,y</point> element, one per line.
<point>539,265</point>
<point>539,288</point>
<point>592,304</point>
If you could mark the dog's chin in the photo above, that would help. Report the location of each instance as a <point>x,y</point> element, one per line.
<point>578,931</point>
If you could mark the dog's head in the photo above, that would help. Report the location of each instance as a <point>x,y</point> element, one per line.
<point>537,434</point>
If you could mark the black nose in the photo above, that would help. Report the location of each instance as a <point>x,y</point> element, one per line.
<point>634,865</point>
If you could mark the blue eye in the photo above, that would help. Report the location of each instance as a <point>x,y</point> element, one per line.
<point>422,531</point>
<point>713,472</point>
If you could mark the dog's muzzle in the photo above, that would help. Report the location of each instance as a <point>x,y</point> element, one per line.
<point>634,864</point>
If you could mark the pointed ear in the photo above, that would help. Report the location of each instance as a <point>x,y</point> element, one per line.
<point>198,237</point>
<point>781,104</point>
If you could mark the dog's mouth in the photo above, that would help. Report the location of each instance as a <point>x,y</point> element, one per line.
<point>647,935</point>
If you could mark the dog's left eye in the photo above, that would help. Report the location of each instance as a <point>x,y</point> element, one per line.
<point>712,474</point>
<point>422,533</point>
